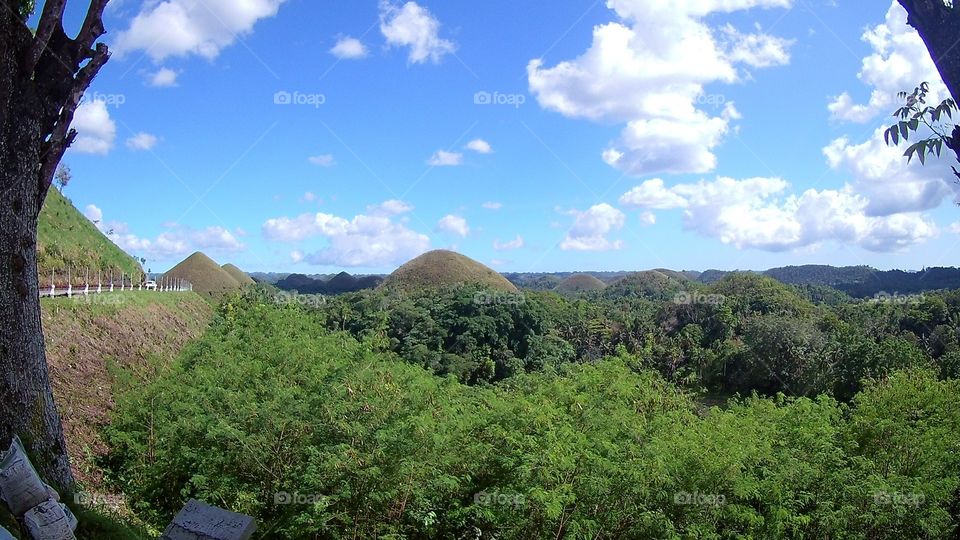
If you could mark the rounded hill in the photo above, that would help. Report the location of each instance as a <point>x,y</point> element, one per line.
<point>440,268</point>
<point>652,284</point>
<point>204,274</point>
<point>242,277</point>
<point>580,283</point>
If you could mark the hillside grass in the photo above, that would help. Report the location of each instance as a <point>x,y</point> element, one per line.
<point>441,268</point>
<point>66,238</point>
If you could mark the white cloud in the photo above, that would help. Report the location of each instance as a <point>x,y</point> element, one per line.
<point>648,218</point>
<point>414,27</point>
<point>364,241</point>
<point>883,176</point>
<point>516,243</point>
<point>649,70</point>
<point>899,62</point>
<point>652,194</point>
<point>176,241</point>
<point>163,77</point>
<point>183,27</point>
<point>323,160</point>
<point>591,227</point>
<point>480,146</point>
<point>296,256</point>
<point>96,131</point>
<point>142,141</point>
<point>759,213</point>
<point>349,48</point>
<point>453,224</point>
<point>308,197</point>
<point>442,158</point>
<point>392,207</point>
<point>492,205</point>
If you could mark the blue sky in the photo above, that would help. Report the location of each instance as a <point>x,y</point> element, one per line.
<point>314,136</point>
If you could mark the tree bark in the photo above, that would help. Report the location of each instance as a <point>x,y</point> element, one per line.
<point>42,78</point>
<point>939,26</point>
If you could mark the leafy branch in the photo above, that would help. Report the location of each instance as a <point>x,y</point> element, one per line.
<point>915,112</point>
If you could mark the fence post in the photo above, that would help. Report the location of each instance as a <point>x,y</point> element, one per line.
<point>99,282</point>
<point>53,282</point>
<point>69,283</point>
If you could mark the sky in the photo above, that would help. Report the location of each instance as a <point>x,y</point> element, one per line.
<point>314,136</point>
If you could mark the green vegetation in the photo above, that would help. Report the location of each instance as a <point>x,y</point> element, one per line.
<point>440,268</point>
<point>318,434</point>
<point>66,238</point>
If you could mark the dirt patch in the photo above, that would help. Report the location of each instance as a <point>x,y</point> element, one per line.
<point>135,331</point>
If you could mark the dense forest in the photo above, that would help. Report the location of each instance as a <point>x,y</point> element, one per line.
<point>746,408</point>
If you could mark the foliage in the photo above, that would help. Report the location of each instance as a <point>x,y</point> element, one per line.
<point>317,435</point>
<point>915,112</point>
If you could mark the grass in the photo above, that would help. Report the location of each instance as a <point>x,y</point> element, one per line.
<point>580,282</point>
<point>205,275</point>
<point>65,237</point>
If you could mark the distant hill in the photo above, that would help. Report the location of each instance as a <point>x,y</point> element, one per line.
<point>65,237</point>
<point>206,276</point>
<point>580,283</point>
<point>441,268</point>
<point>238,274</point>
<point>338,284</point>
<point>652,284</point>
<point>863,281</point>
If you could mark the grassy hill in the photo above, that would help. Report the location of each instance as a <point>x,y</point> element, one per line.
<point>204,274</point>
<point>652,284</point>
<point>440,268</point>
<point>65,237</point>
<point>579,283</point>
<point>242,277</point>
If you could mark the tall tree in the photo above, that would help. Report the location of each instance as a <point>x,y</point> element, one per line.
<point>938,23</point>
<point>43,75</point>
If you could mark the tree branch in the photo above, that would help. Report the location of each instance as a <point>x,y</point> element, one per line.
<point>50,20</point>
<point>92,28</point>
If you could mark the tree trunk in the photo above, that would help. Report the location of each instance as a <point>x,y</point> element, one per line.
<point>41,82</point>
<point>939,27</point>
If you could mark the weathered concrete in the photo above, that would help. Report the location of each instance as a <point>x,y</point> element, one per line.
<point>199,521</point>
<point>50,521</point>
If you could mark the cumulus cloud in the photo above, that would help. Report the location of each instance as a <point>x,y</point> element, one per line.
<point>96,131</point>
<point>414,27</point>
<point>516,243</point>
<point>899,62</point>
<point>142,141</point>
<point>648,70</point>
<point>364,241</point>
<point>479,146</point>
<point>760,213</point>
<point>652,194</point>
<point>492,205</point>
<point>392,207</point>
<point>163,77</point>
<point>442,158</point>
<point>176,241</point>
<point>591,228</point>
<point>296,256</point>
<point>167,28</point>
<point>349,48</point>
<point>883,176</point>
<point>323,160</point>
<point>453,224</point>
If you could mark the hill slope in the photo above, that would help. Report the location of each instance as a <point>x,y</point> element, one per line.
<point>441,268</point>
<point>65,237</point>
<point>206,276</point>
<point>580,282</point>
<point>242,277</point>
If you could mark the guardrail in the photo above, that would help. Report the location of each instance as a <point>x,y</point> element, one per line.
<point>51,287</point>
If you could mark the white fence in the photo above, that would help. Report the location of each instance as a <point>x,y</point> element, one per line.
<point>67,285</point>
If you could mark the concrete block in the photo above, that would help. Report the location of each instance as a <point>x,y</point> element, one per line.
<point>199,521</point>
<point>50,521</point>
